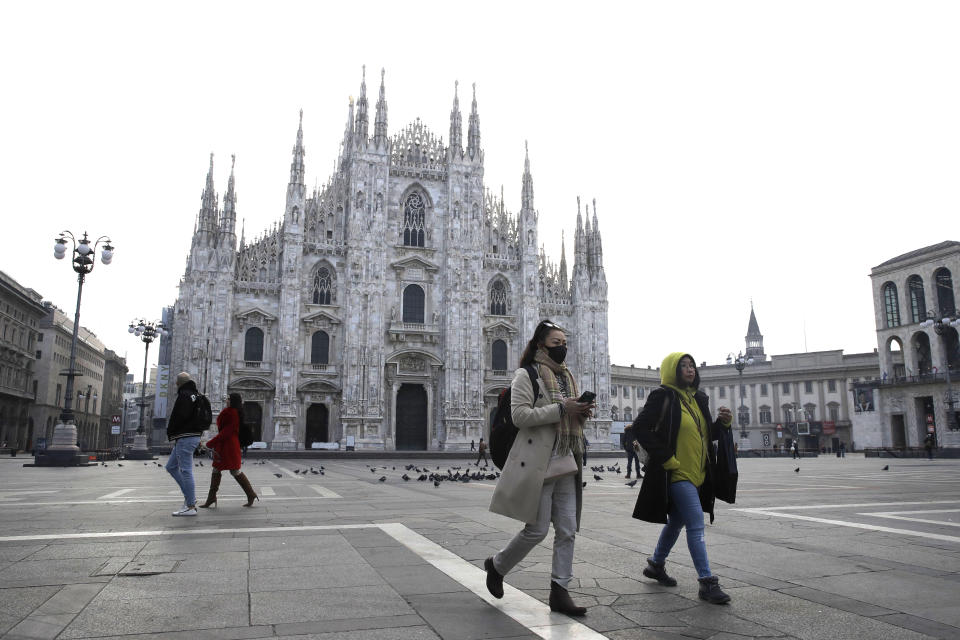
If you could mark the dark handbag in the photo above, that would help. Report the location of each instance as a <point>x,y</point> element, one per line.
<point>725,468</point>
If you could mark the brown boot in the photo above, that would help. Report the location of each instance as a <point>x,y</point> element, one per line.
<point>212,494</point>
<point>247,489</point>
<point>560,601</point>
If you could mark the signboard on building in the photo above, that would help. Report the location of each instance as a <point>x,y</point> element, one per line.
<point>829,427</point>
<point>115,429</point>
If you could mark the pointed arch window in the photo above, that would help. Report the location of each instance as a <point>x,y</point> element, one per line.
<point>320,348</point>
<point>413,220</point>
<point>322,286</point>
<point>499,355</point>
<point>498,299</point>
<point>891,305</point>
<point>945,299</point>
<point>253,345</point>
<point>918,304</point>
<point>413,304</point>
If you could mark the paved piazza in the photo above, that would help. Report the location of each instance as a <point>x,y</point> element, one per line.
<point>842,549</point>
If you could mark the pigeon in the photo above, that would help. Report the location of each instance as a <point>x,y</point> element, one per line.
<point>436,483</point>
<point>119,465</point>
<point>373,470</point>
<point>597,478</point>
<point>313,471</point>
<point>886,467</point>
<point>382,479</point>
<point>631,483</point>
<point>279,475</point>
<point>201,463</point>
<point>584,484</point>
<point>405,477</point>
<point>144,464</point>
<point>797,470</point>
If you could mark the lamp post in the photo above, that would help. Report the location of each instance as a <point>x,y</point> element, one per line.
<point>940,324</point>
<point>147,331</point>
<point>63,450</point>
<point>741,362</point>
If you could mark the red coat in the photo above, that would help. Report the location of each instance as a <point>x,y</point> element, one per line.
<point>226,444</point>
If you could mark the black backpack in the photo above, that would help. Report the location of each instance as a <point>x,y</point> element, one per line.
<point>503,432</point>
<point>202,412</point>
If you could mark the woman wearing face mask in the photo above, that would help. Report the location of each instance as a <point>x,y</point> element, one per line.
<point>541,480</point>
<point>676,429</point>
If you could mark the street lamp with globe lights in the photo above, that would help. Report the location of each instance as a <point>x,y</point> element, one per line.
<point>741,362</point>
<point>63,450</point>
<point>147,331</point>
<point>940,323</point>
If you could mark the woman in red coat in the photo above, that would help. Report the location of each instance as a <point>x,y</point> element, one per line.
<point>226,451</point>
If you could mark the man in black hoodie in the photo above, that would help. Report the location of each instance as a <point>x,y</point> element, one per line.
<point>185,434</point>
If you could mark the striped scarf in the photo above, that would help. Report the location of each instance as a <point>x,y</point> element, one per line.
<point>570,429</point>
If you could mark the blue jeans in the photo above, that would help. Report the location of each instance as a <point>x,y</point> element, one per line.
<point>685,511</point>
<point>180,466</point>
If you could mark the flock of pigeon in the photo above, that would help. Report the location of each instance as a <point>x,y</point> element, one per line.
<point>453,474</point>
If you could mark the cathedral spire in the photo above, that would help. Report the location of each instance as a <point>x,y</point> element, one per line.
<point>362,119</point>
<point>296,167</point>
<point>597,244</point>
<point>207,218</point>
<point>456,124</point>
<point>526,197</point>
<point>228,221</point>
<point>348,131</point>
<point>563,262</point>
<point>473,135</point>
<point>380,126</point>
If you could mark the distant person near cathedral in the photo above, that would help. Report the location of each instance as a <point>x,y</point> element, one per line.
<point>541,481</point>
<point>185,435</point>
<point>482,453</point>
<point>226,452</point>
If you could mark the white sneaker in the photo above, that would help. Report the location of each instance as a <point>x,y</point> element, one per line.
<point>185,511</point>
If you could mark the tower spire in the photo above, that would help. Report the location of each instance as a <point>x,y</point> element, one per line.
<point>526,197</point>
<point>754,338</point>
<point>228,221</point>
<point>362,120</point>
<point>380,125</point>
<point>563,263</point>
<point>207,218</point>
<point>473,135</point>
<point>597,245</point>
<point>296,167</point>
<point>456,123</point>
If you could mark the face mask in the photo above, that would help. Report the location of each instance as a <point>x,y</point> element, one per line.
<point>558,354</point>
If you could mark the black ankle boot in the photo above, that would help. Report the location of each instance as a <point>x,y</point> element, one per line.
<point>710,591</point>
<point>494,579</point>
<point>658,571</point>
<point>560,601</point>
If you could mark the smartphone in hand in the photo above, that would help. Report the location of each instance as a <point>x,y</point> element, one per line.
<point>587,396</point>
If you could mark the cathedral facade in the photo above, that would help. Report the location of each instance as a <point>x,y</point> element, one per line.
<point>389,307</point>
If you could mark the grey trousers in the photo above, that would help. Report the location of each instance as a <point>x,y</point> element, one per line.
<point>558,504</point>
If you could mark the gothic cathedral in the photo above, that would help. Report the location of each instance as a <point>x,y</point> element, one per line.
<point>388,308</point>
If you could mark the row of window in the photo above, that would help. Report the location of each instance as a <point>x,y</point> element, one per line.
<point>943,283</point>
<point>790,413</point>
<point>785,387</point>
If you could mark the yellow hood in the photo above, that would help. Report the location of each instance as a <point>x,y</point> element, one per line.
<point>668,372</point>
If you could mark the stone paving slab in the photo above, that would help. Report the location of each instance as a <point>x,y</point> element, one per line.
<point>215,577</point>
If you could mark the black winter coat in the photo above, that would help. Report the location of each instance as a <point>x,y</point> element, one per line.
<point>181,422</point>
<point>653,503</point>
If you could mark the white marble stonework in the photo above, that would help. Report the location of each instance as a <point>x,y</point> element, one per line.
<point>392,303</point>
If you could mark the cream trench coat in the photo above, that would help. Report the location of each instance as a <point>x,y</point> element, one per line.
<point>517,494</point>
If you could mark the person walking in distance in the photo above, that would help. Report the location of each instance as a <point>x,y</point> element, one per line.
<point>796,450</point>
<point>473,446</point>
<point>929,443</point>
<point>226,452</point>
<point>542,477</point>
<point>183,431</point>
<point>676,430</point>
<point>482,453</point>
<point>632,458</point>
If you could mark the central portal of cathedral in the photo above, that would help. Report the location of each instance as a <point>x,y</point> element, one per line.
<point>412,418</point>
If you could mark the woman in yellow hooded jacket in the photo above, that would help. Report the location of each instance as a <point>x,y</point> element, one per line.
<point>677,431</point>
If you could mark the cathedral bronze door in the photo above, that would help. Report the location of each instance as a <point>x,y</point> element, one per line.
<point>253,416</point>
<point>318,418</point>
<point>411,418</point>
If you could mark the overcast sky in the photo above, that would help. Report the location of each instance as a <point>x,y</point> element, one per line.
<point>773,151</point>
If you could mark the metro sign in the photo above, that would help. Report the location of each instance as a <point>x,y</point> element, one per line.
<point>115,419</point>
